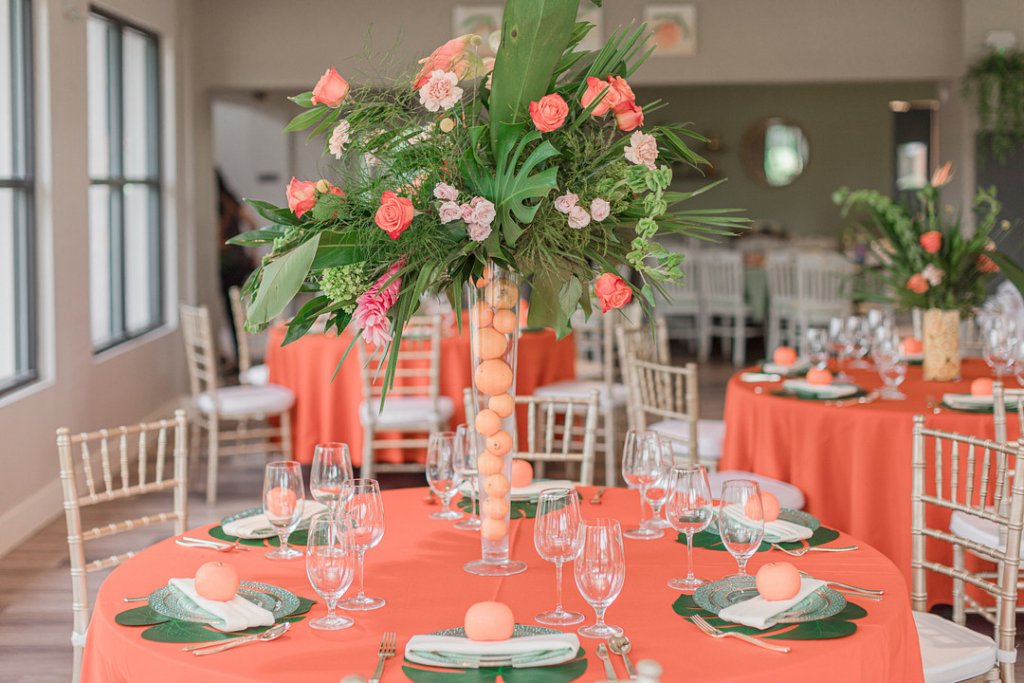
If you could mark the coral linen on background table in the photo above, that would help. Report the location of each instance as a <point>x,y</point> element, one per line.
<point>328,410</point>
<point>417,568</point>
<point>852,463</point>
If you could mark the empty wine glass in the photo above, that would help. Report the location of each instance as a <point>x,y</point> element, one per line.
<point>600,571</point>
<point>891,367</point>
<point>643,464</point>
<point>557,539</point>
<point>999,343</point>
<point>283,496</point>
<point>332,466</point>
<point>860,340</point>
<point>365,511</point>
<point>817,346</point>
<point>842,345</point>
<point>657,492</point>
<point>441,473</point>
<point>689,511</point>
<point>330,563</point>
<point>465,467</point>
<point>741,520</point>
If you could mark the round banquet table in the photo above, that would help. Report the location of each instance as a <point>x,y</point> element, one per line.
<point>327,410</point>
<point>417,568</point>
<point>852,463</point>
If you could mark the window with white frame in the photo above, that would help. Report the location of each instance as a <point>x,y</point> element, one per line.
<point>17,257</point>
<point>125,243</point>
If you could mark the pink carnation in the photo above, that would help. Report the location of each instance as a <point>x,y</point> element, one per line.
<point>445,192</point>
<point>372,306</point>
<point>478,232</point>
<point>450,211</point>
<point>642,149</point>
<point>599,209</point>
<point>483,211</point>
<point>565,202</point>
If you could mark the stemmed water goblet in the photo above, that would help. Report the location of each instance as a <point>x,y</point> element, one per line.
<point>860,338</point>
<point>891,367</point>
<point>365,516</point>
<point>331,468</point>
<point>817,346</point>
<point>465,467</point>
<point>643,465</point>
<point>283,497</point>
<point>657,492</point>
<point>556,535</point>
<point>689,511</point>
<point>842,344</point>
<point>441,473</point>
<point>330,563</point>
<point>600,572</point>
<point>741,520</point>
<point>999,344</point>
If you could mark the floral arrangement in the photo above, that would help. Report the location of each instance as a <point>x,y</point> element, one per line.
<point>538,161</point>
<point>927,260</point>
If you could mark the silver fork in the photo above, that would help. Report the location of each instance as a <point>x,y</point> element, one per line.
<point>717,633</point>
<point>388,643</point>
<point>800,552</point>
<point>848,586</point>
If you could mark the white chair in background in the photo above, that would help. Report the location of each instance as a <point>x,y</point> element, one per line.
<point>951,651</point>
<point>414,406</point>
<point>641,343</point>
<point>127,469</point>
<point>248,373</point>
<point>823,286</point>
<point>558,429</point>
<point>666,402</point>
<point>724,310</point>
<point>236,419</point>
<point>780,270</point>
<point>680,306</point>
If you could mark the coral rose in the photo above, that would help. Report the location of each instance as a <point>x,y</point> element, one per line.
<point>301,196</point>
<point>394,215</point>
<point>449,57</point>
<point>986,264</point>
<point>931,241</point>
<point>595,86</point>
<point>612,292</point>
<point>549,112</point>
<point>917,284</point>
<point>331,89</point>
<point>629,116</point>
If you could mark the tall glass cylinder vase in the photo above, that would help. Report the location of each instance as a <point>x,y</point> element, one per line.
<point>941,345</point>
<point>494,341</point>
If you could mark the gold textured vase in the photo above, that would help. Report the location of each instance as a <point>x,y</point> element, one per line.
<point>941,345</point>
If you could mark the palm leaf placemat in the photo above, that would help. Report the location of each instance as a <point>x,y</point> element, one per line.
<point>559,673</point>
<point>166,630</point>
<point>297,538</point>
<point>712,541</point>
<point>838,626</point>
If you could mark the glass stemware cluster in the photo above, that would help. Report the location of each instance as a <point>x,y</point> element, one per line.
<point>646,464</point>
<point>1001,347</point>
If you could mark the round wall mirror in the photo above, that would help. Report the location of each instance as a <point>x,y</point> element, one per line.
<point>775,151</point>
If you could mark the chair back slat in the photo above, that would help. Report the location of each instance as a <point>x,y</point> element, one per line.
<point>721,277</point>
<point>666,392</point>
<point>108,477</point>
<point>780,271</point>
<point>419,361</point>
<point>199,353</point>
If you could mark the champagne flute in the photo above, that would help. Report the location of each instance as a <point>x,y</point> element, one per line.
<point>465,467</point>
<point>741,520</point>
<point>330,563</point>
<point>600,571</point>
<point>283,497</point>
<point>441,474</point>
<point>332,466</point>
<point>365,510</point>
<point>689,510</point>
<point>557,539</point>
<point>641,467</point>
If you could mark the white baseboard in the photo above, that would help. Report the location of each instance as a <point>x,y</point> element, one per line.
<point>25,519</point>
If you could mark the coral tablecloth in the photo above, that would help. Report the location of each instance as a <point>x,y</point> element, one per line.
<point>853,463</point>
<point>417,568</point>
<point>328,410</point>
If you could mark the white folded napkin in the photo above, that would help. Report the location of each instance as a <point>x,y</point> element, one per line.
<point>779,531</point>
<point>258,526</point>
<point>563,647</point>
<point>1010,396</point>
<point>758,612</point>
<point>798,368</point>
<point>822,390</point>
<point>759,377</point>
<point>236,614</point>
<point>531,491</point>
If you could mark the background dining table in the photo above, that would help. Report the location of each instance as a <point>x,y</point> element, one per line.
<point>327,409</point>
<point>417,568</point>
<point>853,463</point>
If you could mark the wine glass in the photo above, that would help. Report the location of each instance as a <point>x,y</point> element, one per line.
<point>657,492</point>
<point>891,367</point>
<point>600,571</point>
<point>817,346</point>
<point>860,340</point>
<point>557,539</point>
<point>465,467</point>
<point>642,466</point>
<point>441,473</point>
<point>330,563</point>
<point>365,510</point>
<point>741,520</point>
<point>689,510</point>
<point>999,342</point>
<point>283,496</point>
<point>332,466</point>
<point>842,345</point>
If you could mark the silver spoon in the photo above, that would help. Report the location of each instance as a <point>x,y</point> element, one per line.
<point>609,669</point>
<point>270,634</point>
<point>620,645</point>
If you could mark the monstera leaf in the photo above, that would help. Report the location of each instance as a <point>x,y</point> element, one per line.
<point>837,626</point>
<point>515,184</point>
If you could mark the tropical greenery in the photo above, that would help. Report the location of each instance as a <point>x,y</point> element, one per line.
<point>996,83</point>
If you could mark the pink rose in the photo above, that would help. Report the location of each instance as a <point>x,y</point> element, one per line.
<point>445,192</point>
<point>599,209</point>
<point>478,232</point>
<point>629,116</point>
<point>450,211</point>
<point>331,89</point>
<point>933,274</point>
<point>549,112</point>
<point>578,217</point>
<point>612,291</point>
<point>467,212</point>
<point>448,57</point>
<point>917,284</point>
<point>595,86</point>
<point>642,149</point>
<point>301,196</point>
<point>483,211</point>
<point>565,202</point>
<point>931,241</point>
<point>394,215</point>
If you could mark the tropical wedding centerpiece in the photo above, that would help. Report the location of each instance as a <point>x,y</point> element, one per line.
<point>928,260</point>
<point>532,168</point>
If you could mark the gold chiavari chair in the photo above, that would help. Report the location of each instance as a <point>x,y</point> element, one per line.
<point>112,465</point>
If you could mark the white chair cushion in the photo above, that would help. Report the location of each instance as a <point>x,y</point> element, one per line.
<point>950,652</point>
<point>404,411</point>
<point>789,496</point>
<point>710,435</point>
<point>257,376</point>
<point>247,400</point>
<point>976,529</point>
<point>582,388</point>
